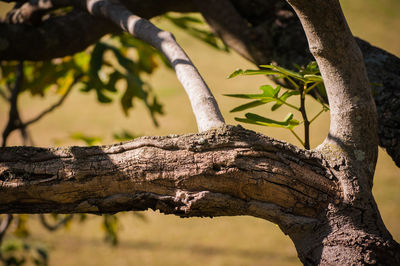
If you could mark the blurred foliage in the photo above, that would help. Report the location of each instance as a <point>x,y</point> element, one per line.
<point>302,82</point>
<point>111,226</point>
<point>98,69</point>
<point>17,252</point>
<point>124,135</point>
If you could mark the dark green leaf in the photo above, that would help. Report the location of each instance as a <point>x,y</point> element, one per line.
<point>251,118</point>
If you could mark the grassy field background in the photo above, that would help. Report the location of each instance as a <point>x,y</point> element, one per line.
<point>168,240</point>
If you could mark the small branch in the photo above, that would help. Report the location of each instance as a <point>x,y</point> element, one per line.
<point>14,120</point>
<point>54,106</point>
<point>57,225</point>
<point>4,225</point>
<point>32,11</point>
<point>204,106</point>
<point>306,123</point>
<point>229,25</point>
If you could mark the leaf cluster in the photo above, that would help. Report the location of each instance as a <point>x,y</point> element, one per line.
<point>302,82</point>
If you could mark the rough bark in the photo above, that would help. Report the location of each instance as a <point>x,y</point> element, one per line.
<point>226,171</point>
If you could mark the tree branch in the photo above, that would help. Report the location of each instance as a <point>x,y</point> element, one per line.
<point>204,106</point>
<point>47,40</point>
<point>53,106</point>
<point>226,23</point>
<point>14,120</point>
<point>4,224</point>
<point>226,171</point>
<point>57,225</point>
<point>352,109</point>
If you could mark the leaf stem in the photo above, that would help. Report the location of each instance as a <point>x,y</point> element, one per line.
<point>307,90</point>
<point>297,137</point>
<point>288,104</point>
<point>316,116</point>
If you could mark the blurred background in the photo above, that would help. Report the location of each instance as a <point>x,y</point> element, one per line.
<point>157,239</point>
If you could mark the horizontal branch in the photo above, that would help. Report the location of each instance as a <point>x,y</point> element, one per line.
<point>226,171</point>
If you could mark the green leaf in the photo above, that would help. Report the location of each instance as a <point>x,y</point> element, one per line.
<point>82,60</point>
<point>313,78</point>
<point>261,72</point>
<point>126,63</point>
<point>251,118</point>
<point>89,140</point>
<point>270,91</point>
<point>111,228</point>
<point>285,71</point>
<point>113,79</point>
<point>247,106</point>
<point>283,98</point>
<point>235,73</point>
<point>124,136</point>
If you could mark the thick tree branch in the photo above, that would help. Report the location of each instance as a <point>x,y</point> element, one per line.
<point>227,171</point>
<point>65,35</point>
<point>227,23</point>
<point>352,109</point>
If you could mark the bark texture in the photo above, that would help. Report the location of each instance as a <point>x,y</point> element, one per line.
<point>225,171</point>
<point>228,171</point>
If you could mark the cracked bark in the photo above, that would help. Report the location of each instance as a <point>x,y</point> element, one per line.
<point>225,171</point>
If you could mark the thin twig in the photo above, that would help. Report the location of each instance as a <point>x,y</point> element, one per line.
<point>4,225</point>
<point>57,225</point>
<point>297,136</point>
<point>14,120</point>
<point>55,105</point>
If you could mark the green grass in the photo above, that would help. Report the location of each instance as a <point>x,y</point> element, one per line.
<point>168,240</point>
